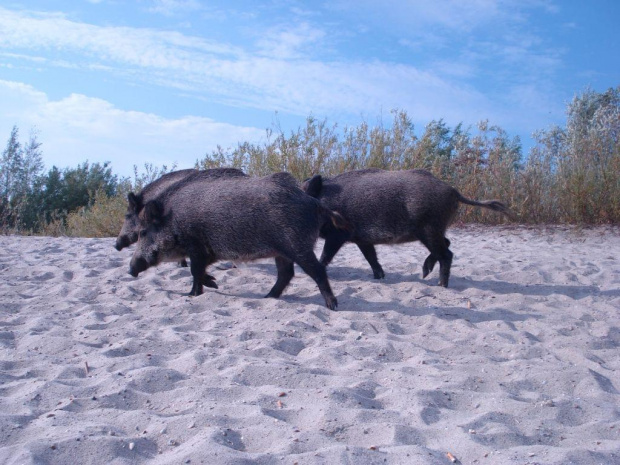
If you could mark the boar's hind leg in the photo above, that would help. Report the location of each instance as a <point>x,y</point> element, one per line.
<point>431,260</point>
<point>316,271</point>
<point>371,256</point>
<point>429,264</point>
<point>333,242</point>
<point>438,247</point>
<point>286,271</point>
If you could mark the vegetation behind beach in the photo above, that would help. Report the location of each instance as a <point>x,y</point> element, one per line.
<point>570,176</point>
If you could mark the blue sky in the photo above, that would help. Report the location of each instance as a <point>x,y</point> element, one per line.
<point>163,81</point>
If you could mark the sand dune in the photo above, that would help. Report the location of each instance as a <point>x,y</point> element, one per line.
<point>518,362</point>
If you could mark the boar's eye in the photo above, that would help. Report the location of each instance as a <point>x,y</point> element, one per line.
<point>142,233</point>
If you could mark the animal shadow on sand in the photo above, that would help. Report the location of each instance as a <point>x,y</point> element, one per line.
<point>347,273</point>
<point>353,303</point>
<point>349,302</point>
<point>243,291</point>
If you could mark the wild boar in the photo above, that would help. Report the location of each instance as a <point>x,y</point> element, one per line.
<point>235,219</point>
<point>131,226</point>
<point>392,207</point>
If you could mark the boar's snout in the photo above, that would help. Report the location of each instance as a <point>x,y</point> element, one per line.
<point>122,242</point>
<point>137,266</point>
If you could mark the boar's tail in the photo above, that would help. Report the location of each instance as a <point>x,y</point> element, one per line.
<point>336,218</point>
<point>494,205</point>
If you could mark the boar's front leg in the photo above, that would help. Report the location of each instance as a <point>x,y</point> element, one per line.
<point>208,281</point>
<point>286,271</point>
<point>370,254</point>
<point>316,271</point>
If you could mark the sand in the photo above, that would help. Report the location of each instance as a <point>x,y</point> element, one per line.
<point>518,362</point>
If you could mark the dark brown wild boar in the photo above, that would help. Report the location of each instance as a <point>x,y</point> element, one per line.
<point>235,219</point>
<point>392,207</point>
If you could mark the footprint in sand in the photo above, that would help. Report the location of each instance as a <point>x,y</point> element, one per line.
<point>7,339</point>
<point>291,346</point>
<point>44,277</point>
<point>155,379</point>
<point>229,438</point>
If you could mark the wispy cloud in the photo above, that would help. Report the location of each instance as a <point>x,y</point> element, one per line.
<point>290,42</point>
<point>174,7</point>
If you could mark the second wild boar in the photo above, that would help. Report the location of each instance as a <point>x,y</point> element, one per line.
<point>235,219</point>
<point>392,207</point>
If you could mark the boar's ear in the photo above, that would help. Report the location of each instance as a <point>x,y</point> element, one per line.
<point>313,186</point>
<point>153,212</point>
<point>135,202</point>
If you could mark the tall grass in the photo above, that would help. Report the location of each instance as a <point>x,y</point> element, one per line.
<point>482,165</point>
<point>571,175</point>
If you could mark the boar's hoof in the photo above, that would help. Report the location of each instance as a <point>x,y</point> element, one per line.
<point>273,295</point>
<point>196,291</point>
<point>183,263</point>
<point>209,281</point>
<point>331,303</point>
<point>378,274</point>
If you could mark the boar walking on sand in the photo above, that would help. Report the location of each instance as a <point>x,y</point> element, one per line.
<point>236,219</point>
<point>131,226</point>
<point>392,207</point>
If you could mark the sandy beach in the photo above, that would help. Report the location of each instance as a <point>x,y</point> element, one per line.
<point>517,362</point>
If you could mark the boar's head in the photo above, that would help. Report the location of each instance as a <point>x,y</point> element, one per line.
<point>156,240</point>
<point>131,225</point>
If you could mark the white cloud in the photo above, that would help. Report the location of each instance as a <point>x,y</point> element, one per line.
<point>77,128</point>
<point>124,45</point>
